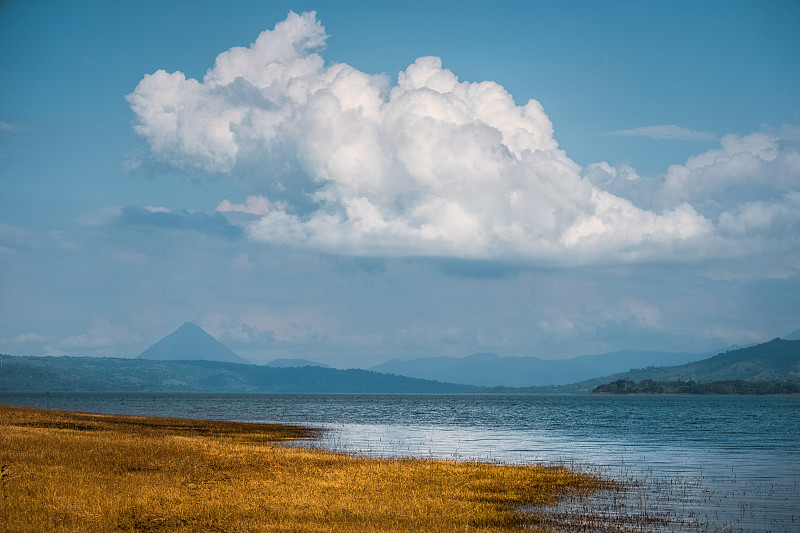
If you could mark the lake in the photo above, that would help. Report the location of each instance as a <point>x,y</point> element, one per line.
<point>710,463</point>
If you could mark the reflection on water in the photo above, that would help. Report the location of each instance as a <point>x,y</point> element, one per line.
<point>710,463</point>
<point>675,489</point>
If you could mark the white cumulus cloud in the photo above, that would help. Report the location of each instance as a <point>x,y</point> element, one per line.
<point>743,168</point>
<point>432,166</point>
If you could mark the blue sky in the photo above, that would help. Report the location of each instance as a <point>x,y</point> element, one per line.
<point>366,180</point>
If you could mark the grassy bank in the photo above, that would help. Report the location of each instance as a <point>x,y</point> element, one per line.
<point>62,471</point>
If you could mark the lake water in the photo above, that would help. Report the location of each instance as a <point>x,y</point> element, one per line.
<point>694,463</point>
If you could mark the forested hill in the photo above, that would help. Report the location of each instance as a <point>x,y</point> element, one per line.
<point>777,359</point>
<point>102,374</point>
<point>769,368</point>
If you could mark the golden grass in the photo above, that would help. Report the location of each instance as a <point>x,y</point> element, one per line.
<point>62,471</point>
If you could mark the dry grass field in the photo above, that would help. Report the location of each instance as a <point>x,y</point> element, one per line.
<point>63,471</point>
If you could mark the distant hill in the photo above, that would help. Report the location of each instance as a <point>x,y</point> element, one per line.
<point>491,370</point>
<point>294,363</point>
<point>777,359</point>
<point>191,343</point>
<point>793,336</point>
<point>102,374</point>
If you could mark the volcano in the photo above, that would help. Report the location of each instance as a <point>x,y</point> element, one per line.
<point>191,343</point>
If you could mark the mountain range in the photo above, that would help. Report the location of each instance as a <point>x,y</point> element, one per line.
<point>190,342</point>
<point>491,370</point>
<point>190,360</point>
<point>777,360</point>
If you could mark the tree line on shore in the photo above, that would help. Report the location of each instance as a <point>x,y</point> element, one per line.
<point>737,386</point>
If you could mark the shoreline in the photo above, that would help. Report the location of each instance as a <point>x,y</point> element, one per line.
<point>680,483</point>
<point>66,471</point>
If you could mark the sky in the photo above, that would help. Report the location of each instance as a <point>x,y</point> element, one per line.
<point>351,182</point>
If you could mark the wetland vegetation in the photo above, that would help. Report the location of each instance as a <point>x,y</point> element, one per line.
<point>66,471</point>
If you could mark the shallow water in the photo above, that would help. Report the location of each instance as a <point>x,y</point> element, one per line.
<point>692,463</point>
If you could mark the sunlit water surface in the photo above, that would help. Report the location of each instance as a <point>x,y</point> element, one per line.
<point>694,463</point>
